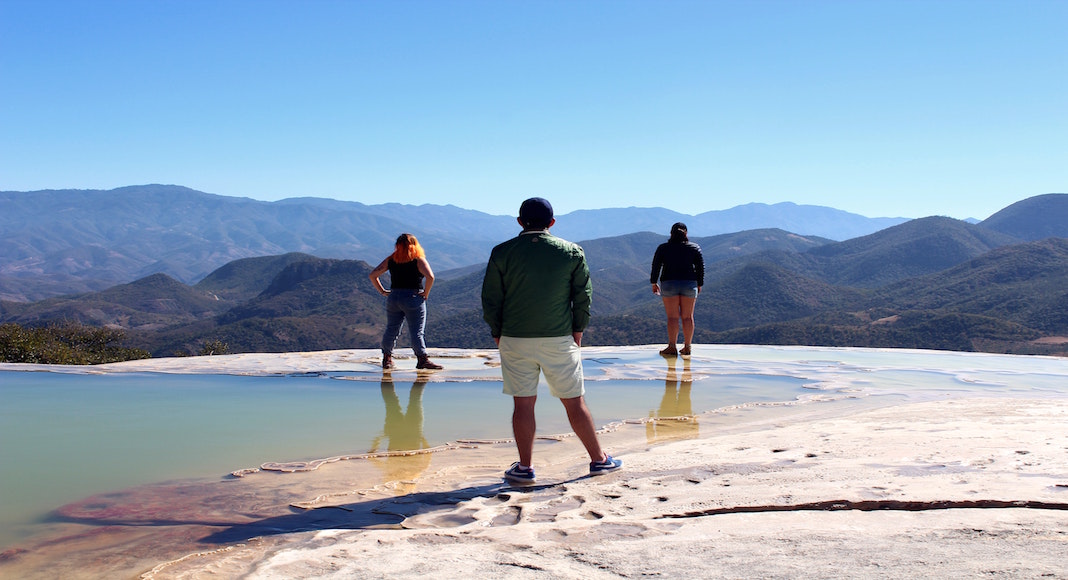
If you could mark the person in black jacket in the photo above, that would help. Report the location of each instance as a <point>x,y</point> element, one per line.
<point>677,277</point>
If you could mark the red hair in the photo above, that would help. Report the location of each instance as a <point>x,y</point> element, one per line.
<point>407,249</point>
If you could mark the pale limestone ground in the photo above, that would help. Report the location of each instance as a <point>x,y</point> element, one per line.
<point>938,475</point>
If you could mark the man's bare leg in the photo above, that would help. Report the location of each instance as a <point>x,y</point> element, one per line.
<point>524,427</point>
<point>582,424</point>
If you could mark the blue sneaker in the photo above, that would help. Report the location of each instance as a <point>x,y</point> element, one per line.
<point>519,474</point>
<point>609,464</point>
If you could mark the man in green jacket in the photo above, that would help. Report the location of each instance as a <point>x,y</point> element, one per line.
<point>536,299</point>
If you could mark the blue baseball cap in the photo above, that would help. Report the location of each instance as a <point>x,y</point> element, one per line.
<point>536,212</point>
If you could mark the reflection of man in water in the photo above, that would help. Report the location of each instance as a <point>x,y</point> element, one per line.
<point>403,431</point>
<point>675,404</point>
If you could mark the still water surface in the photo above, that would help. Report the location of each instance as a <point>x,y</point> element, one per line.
<point>68,436</point>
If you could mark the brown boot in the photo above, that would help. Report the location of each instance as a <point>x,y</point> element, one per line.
<point>387,361</point>
<point>424,363</point>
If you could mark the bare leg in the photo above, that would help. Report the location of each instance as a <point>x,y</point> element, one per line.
<point>672,309</point>
<point>686,306</point>
<point>524,426</point>
<point>582,424</point>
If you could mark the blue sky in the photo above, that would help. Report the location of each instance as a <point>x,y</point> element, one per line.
<point>883,108</point>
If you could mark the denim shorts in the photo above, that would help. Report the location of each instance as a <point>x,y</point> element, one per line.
<point>669,288</point>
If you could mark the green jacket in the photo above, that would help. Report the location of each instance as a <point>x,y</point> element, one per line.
<point>536,285</point>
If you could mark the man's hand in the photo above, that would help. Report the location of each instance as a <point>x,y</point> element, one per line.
<point>578,337</point>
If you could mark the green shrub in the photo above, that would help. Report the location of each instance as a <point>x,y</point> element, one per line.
<point>213,347</point>
<point>64,344</point>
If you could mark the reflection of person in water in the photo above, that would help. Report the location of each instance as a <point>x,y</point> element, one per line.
<point>674,419</point>
<point>403,431</point>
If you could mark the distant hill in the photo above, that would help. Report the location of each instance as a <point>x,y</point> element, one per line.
<point>298,290</point>
<point>1002,301</point>
<point>58,242</point>
<point>244,279</point>
<point>1035,218</point>
<point>926,283</point>
<point>933,330</point>
<point>313,304</point>
<point>621,265</point>
<point>914,248</point>
<point>1026,284</point>
<point>75,240</point>
<point>910,249</point>
<point>147,304</point>
<point>761,293</point>
<point>808,220</point>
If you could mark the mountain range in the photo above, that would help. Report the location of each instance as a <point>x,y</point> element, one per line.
<point>54,243</point>
<point>1000,285</point>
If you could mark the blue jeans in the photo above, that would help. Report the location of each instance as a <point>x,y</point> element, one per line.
<point>404,304</point>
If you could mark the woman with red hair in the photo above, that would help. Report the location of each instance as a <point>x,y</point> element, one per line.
<point>406,298</point>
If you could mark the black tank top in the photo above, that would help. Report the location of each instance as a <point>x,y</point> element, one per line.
<point>405,276</point>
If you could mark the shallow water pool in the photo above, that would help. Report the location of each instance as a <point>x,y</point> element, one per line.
<point>68,436</point>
